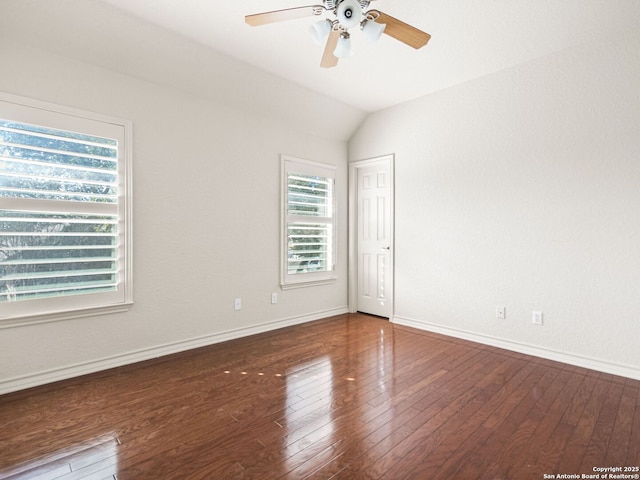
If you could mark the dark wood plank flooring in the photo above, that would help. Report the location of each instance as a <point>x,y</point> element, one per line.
<point>349,397</point>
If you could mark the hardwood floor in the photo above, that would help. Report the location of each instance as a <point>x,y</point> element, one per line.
<point>349,397</point>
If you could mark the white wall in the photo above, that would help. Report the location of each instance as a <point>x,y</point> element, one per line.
<point>206,222</point>
<point>526,181</point>
<point>522,189</point>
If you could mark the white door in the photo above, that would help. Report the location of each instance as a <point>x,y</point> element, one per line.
<point>375,236</point>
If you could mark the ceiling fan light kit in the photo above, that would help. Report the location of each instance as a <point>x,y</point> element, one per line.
<point>343,49</point>
<point>320,31</point>
<point>347,14</point>
<point>372,30</point>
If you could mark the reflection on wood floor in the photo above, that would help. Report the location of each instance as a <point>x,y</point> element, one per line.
<point>349,397</point>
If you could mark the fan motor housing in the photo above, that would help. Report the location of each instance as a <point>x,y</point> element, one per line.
<point>349,13</point>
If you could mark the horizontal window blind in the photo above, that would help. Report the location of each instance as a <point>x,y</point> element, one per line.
<point>309,244</point>
<point>53,164</point>
<point>61,236</point>
<point>309,223</point>
<point>45,254</point>
<point>309,247</point>
<point>309,195</point>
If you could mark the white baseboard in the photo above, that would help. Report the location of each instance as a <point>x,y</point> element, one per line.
<point>563,357</point>
<point>93,366</point>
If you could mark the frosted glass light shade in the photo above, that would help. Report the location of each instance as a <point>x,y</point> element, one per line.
<point>320,31</point>
<point>373,30</point>
<point>343,49</point>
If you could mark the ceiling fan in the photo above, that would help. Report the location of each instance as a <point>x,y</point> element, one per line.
<point>343,15</point>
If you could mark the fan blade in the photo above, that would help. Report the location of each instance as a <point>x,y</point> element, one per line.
<point>328,58</point>
<point>281,15</point>
<point>402,31</point>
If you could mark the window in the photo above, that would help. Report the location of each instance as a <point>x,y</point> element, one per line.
<point>309,228</point>
<point>65,237</point>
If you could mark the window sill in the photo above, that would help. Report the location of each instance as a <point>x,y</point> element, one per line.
<point>309,283</point>
<point>50,317</point>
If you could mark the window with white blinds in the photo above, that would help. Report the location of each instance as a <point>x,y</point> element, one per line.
<point>64,211</point>
<point>309,222</point>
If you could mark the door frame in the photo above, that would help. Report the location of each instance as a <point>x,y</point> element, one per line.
<point>353,229</point>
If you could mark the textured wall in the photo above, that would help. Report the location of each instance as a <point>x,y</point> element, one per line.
<point>206,222</point>
<point>522,189</point>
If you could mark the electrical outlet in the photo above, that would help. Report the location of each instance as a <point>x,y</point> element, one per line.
<point>237,304</point>
<point>501,313</point>
<point>274,298</point>
<point>536,318</point>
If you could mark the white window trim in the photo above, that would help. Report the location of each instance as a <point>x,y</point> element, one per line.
<point>307,279</point>
<point>16,104</point>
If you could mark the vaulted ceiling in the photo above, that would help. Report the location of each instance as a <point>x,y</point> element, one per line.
<point>470,38</point>
<point>206,48</point>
